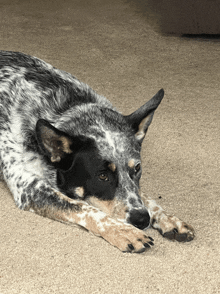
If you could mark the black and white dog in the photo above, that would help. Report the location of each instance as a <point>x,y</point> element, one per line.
<point>67,154</point>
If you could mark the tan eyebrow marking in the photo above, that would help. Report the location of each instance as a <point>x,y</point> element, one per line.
<point>112,167</point>
<point>131,163</point>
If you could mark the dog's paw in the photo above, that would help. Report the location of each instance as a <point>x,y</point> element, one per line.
<point>128,238</point>
<point>174,229</point>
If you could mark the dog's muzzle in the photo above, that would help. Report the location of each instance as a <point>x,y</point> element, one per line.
<point>139,218</point>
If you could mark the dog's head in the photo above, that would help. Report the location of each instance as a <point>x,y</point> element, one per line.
<point>97,157</point>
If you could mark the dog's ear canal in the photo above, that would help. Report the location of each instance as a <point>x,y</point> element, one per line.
<point>53,142</point>
<point>141,118</point>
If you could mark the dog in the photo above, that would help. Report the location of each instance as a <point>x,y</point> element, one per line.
<point>69,155</point>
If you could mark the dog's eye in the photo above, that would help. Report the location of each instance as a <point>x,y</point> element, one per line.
<point>103,177</point>
<point>137,168</point>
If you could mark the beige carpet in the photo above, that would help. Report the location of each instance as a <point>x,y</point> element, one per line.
<point>111,46</point>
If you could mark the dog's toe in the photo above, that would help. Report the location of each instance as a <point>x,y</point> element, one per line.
<point>169,235</point>
<point>133,240</point>
<point>140,245</point>
<point>174,235</point>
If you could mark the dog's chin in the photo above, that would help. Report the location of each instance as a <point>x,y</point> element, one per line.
<point>113,208</point>
<point>139,218</point>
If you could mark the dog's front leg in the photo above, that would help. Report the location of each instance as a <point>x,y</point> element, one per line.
<point>48,202</point>
<point>169,226</point>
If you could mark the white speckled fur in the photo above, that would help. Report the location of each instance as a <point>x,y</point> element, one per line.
<point>31,89</point>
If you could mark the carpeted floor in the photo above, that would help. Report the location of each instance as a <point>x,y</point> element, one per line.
<point>111,46</point>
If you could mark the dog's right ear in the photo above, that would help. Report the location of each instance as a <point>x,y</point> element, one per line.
<point>57,145</point>
<point>53,142</point>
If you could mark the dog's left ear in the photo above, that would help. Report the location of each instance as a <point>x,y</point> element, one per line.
<point>53,142</point>
<point>141,118</point>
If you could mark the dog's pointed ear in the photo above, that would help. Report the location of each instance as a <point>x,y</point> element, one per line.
<point>141,118</point>
<point>53,142</point>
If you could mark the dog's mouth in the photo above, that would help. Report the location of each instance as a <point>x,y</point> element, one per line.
<point>139,218</point>
<point>113,208</point>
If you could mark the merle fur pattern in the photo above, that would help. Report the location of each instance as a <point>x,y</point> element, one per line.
<point>68,154</point>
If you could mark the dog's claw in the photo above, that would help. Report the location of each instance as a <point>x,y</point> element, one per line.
<point>181,233</point>
<point>130,247</point>
<point>131,239</point>
<point>146,246</point>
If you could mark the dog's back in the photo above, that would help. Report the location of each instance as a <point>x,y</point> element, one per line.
<point>30,85</point>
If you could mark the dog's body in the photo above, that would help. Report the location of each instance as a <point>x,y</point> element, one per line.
<point>67,154</point>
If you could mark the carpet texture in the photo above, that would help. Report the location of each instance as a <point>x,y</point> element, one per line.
<point>111,46</point>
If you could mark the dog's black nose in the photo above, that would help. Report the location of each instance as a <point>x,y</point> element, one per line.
<point>139,218</point>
